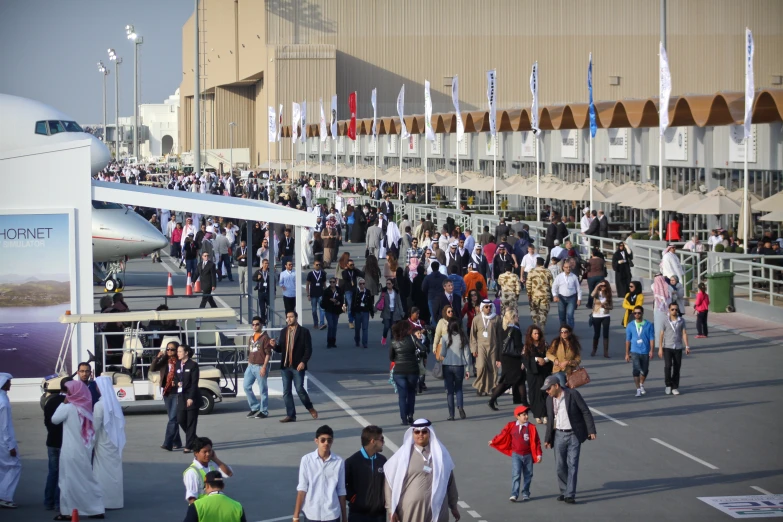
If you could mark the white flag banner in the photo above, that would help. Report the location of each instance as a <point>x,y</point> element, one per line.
<point>404,134</point>
<point>280,123</point>
<point>374,101</point>
<point>455,101</point>
<point>665,90</point>
<point>750,89</point>
<point>492,100</point>
<point>295,117</point>
<point>429,132</point>
<point>534,92</point>
<point>272,125</point>
<point>304,121</point>
<point>333,121</point>
<point>322,128</point>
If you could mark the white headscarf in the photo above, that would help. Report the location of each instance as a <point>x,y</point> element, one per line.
<point>4,378</point>
<point>396,468</point>
<point>113,418</point>
<point>392,233</point>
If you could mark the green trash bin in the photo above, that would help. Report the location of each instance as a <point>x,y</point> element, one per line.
<point>720,288</point>
<point>322,201</point>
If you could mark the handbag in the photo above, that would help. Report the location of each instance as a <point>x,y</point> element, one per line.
<point>509,348</point>
<point>380,304</point>
<point>590,319</point>
<point>437,370</point>
<point>578,377</point>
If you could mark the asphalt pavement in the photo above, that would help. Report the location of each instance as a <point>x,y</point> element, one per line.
<point>653,457</point>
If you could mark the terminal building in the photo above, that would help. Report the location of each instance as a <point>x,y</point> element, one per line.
<point>255,54</point>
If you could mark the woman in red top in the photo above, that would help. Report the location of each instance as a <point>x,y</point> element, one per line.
<point>471,307</point>
<point>519,440</point>
<point>701,308</point>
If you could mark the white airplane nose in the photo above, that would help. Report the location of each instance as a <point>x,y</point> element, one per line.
<point>156,242</point>
<point>99,155</point>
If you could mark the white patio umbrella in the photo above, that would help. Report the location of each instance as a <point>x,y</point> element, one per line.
<point>714,203</point>
<point>773,216</point>
<point>688,199</point>
<point>770,204</point>
<point>648,199</point>
<point>625,193</point>
<point>736,195</point>
<point>581,192</point>
<point>484,183</point>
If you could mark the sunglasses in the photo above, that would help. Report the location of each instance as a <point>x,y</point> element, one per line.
<point>361,284</point>
<point>449,311</point>
<point>564,331</point>
<point>417,431</point>
<point>171,349</point>
<point>332,282</point>
<point>256,324</point>
<point>325,440</point>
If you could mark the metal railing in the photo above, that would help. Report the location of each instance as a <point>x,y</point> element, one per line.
<point>753,278</point>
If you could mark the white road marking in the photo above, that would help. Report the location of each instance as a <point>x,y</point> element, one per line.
<point>474,514</point>
<point>761,490</point>
<point>602,414</point>
<point>463,504</point>
<point>685,454</point>
<point>217,297</point>
<point>277,519</point>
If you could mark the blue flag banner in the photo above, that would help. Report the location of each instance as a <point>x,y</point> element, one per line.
<point>593,125</point>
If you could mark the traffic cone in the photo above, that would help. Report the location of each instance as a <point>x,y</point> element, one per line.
<point>75,515</point>
<point>170,288</point>
<point>197,286</point>
<point>189,287</point>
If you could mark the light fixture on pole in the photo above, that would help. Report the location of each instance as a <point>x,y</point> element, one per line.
<point>117,61</point>
<point>104,71</point>
<point>231,126</point>
<point>130,32</point>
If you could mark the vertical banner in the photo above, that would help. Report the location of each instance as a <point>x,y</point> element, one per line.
<point>429,132</point>
<point>534,92</point>
<point>280,123</point>
<point>374,101</point>
<point>333,123</point>
<point>35,290</point>
<point>322,128</point>
<point>455,101</point>
<point>295,117</point>
<point>401,112</point>
<point>665,90</point>
<point>352,110</point>
<point>272,125</point>
<point>593,124</point>
<point>492,100</point>
<point>304,121</point>
<point>749,83</point>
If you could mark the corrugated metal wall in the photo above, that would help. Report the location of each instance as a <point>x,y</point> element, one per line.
<point>235,104</point>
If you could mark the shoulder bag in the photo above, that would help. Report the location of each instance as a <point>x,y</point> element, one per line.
<point>509,347</point>
<point>578,377</point>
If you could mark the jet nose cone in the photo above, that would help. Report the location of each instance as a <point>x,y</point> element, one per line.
<point>99,155</point>
<point>157,242</point>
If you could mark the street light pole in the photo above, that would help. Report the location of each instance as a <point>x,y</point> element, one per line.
<point>117,62</point>
<point>104,71</point>
<point>231,145</point>
<point>137,40</point>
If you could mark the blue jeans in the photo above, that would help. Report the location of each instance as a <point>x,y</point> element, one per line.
<point>290,375</point>
<point>521,467</point>
<point>567,449</point>
<point>52,492</point>
<point>387,324</point>
<point>172,437</point>
<point>253,374</point>
<point>452,379</point>
<point>315,302</point>
<point>190,267</point>
<point>641,363</point>
<point>362,322</point>
<point>406,394</point>
<point>348,228</point>
<point>432,305</point>
<point>348,301</point>
<point>565,309</point>
<point>225,261</point>
<point>331,321</point>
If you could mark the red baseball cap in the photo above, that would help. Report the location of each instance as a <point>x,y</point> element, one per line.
<point>520,409</point>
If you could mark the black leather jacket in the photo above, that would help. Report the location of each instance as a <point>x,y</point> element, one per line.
<point>403,354</point>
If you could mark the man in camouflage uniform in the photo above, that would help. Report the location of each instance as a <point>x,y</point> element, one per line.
<point>510,287</point>
<point>539,291</point>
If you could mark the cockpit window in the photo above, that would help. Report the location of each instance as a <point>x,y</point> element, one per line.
<point>56,127</point>
<point>40,128</point>
<point>72,126</point>
<point>104,205</point>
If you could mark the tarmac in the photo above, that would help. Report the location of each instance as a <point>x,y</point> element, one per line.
<point>653,458</point>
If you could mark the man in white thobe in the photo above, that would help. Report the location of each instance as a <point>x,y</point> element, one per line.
<point>109,443</point>
<point>10,465</point>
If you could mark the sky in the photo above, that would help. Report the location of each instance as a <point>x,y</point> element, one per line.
<point>46,256</point>
<point>51,49</point>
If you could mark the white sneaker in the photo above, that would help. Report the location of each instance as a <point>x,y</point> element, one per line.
<point>638,392</point>
<point>675,391</point>
<point>668,390</point>
<point>641,389</point>
<point>512,499</point>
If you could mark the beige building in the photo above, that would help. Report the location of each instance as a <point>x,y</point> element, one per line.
<point>256,53</point>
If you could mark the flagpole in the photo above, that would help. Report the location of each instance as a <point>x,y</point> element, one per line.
<point>426,170</point>
<point>538,181</point>
<point>458,200</point>
<point>356,140</point>
<point>375,160</point>
<point>660,186</point>
<point>320,160</point>
<point>304,134</point>
<point>494,176</point>
<point>591,170</point>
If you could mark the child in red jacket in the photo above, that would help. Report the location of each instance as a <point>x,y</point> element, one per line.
<point>519,440</point>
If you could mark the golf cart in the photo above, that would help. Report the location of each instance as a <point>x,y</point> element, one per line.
<point>133,382</point>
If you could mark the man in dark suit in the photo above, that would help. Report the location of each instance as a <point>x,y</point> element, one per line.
<point>603,224</point>
<point>562,229</point>
<point>207,273</point>
<point>296,348</point>
<point>447,298</point>
<point>551,232</point>
<point>569,424</point>
<point>501,229</point>
<point>387,208</point>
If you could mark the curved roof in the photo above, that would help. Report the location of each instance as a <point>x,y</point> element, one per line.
<point>700,110</point>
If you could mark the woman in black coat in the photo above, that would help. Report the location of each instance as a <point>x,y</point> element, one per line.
<point>512,371</point>
<point>359,230</point>
<point>419,297</point>
<point>332,302</point>
<point>403,284</point>
<point>403,352</point>
<point>622,261</point>
<point>538,369</point>
<point>188,396</point>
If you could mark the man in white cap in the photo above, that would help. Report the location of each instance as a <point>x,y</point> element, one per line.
<point>584,226</point>
<point>10,465</point>
<point>422,469</point>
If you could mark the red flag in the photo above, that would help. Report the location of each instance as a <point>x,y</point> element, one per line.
<point>352,109</point>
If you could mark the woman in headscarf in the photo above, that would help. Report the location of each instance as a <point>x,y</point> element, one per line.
<point>508,355</point>
<point>78,487</point>
<point>419,297</point>
<point>565,352</point>
<point>662,294</point>
<point>329,236</point>
<point>622,259</point>
<point>633,298</point>
<point>359,229</point>
<point>109,424</point>
<point>403,284</point>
